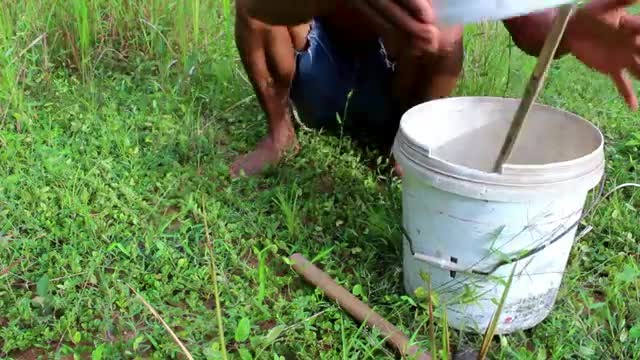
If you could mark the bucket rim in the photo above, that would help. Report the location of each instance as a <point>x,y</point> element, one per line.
<point>465,12</point>
<point>587,169</point>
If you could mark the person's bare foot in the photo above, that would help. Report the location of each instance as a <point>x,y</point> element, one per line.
<point>268,152</point>
<point>397,170</point>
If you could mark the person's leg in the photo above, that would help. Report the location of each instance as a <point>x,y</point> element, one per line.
<point>342,81</point>
<point>418,79</point>
<point>325,75</point>
<point>268,56</point>
<point>422,78</point>
<point>386,85</point>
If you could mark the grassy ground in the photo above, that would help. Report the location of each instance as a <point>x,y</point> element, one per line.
<point>118,122</point>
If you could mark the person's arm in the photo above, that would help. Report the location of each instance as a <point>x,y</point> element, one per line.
<point>288,12</point>
<point>530,31</point>
<point>601,34</point>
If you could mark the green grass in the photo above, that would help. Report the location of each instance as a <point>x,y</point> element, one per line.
<point>117,129</point>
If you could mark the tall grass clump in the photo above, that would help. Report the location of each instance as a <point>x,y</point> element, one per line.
<point>184,48</point>
<point>167,37</point>
<point>10,92</point>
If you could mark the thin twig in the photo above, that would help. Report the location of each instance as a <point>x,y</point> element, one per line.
<point>32,44</point>
<point>10,267</point>
<point>240,102</point>
<point>243,77</point>
<point>214,276</point>
<point>68,276</point>
<point>166,42</point>
<point>493,324</point>
<point>432,326</point>
<point>159,318</point>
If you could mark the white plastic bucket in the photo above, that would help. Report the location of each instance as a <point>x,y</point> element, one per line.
<point>471,11</point>
<point>465,226</point>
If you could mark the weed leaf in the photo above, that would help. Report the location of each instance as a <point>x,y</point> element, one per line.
<point>273,334</point>
<point>77,337</point>
<point>629,274</point>
<point>245,354</point>
<point>587,351</point>
<point>243,330</point>
<point>97,353</point>
<point>42,287</point>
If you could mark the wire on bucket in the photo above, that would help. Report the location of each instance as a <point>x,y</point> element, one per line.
<point>600,198</point>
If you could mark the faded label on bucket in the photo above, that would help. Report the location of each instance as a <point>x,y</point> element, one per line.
<point>520,314</point>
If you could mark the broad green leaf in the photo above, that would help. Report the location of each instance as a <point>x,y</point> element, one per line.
<point>137,342</point>
<point>629,274</point>
<point>425,277</point>
<point>421,293</point>
<point>42,287</point>
<point>243,330</point>
<point>435,299</point>
<point>98,352</point>
<point>587,351</point>
<point>408,299</point>
<point>542,354</point>
<point>76,338</point>
<point>245,354</point>
<point>273,334</point>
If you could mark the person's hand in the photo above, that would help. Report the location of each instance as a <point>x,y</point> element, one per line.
<point>606,38</point>
<point>406,22</point>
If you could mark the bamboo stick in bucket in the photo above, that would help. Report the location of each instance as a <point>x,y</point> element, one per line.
<point>536,82</point>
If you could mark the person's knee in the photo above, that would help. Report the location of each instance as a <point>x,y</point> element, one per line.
<point>448,59</point>
<point>450,53</point>
<point>449,45</point>
<point>432,74</point>
<point>245,9</point>
<point>450,38</point>
<point>242,9</point>
<point>264,48</point>
<point>246,28</point>
<point>451,57</point>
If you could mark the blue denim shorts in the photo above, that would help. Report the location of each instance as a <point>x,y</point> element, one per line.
<point>333,83</point>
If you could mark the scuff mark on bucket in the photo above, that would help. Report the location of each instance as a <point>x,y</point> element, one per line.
<point>471,221</point>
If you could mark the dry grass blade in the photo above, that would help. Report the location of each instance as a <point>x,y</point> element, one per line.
<point>493,325</point>
<point>446,346</point>
<point>6,270</point>
<point>166,42</point>
<point>157,316</point>
<point>33,43</point>
<point>432,326</point>
<point>214,280</point>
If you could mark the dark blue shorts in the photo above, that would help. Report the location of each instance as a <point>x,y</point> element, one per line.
<point>334,83</point>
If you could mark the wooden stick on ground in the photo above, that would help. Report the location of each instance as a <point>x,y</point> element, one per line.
<point>356,308</point>
<point>535,83</point>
